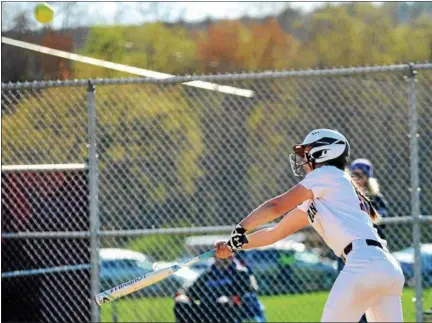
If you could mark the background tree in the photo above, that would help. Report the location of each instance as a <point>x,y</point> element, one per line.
<point>55,67</point>
<point>152,46</point>
<point>149,145</point>
<point>231,46</point>
<point>221,47</point>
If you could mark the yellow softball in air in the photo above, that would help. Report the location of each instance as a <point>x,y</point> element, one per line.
<point>44,13</point>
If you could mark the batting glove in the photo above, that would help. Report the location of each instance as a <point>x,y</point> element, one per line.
<point>237,239</point>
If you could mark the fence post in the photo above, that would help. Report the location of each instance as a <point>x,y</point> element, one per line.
<point>415,189</point>
<point>93,199</point>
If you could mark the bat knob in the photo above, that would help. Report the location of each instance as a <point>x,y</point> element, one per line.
<point>102,299</point>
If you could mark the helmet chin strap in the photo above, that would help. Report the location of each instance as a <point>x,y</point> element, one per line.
<point>310,160</point>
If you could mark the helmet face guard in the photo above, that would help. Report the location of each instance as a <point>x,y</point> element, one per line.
<point>298,159</point>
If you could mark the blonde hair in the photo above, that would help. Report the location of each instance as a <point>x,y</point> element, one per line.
<point>373,213</point>
<point>373,186</point>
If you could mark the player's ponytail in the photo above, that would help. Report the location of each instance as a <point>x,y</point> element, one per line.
<point>373,213</point>
<point>341,163</point>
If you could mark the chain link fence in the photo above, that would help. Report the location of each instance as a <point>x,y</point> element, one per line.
<point>177,167</point>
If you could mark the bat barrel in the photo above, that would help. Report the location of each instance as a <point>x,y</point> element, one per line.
<point>144,281</point>
<point>134,285</point>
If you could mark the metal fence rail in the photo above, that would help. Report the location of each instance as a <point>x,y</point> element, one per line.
<point>103,178</point>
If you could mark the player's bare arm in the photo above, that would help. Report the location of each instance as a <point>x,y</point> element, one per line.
<point>291,223</point>
<point>276,207</point>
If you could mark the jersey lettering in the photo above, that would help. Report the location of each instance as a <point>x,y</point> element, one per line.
<point>311,212</point>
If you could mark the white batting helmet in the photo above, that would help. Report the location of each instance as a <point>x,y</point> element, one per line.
<point>326,145</point>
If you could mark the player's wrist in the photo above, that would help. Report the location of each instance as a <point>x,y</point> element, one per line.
<point>237,239</point>
<point>240,229</point>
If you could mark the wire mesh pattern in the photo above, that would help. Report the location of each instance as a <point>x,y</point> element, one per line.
<point>172,156</point>
<point>424,100</point>
<point>49,274</point>
<point>44,126</point>
<point>208,160</point>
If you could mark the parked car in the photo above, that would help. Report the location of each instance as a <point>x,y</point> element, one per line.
<point>120,265</point>
<point>406,259</point>
<point>198,244</point>
<point>288,267</point>
<point>185,276</point>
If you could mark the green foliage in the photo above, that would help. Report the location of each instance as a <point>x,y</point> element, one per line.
<point>161,146</point>
<point>47,127</point>
<point>359,34</point>
<point>152,46</point>
<point>168,50</point>
<point>345,34</point>
<point>350,34</point>
<point>151,143</point>
<point>267,140</point>
<point>106,42</point>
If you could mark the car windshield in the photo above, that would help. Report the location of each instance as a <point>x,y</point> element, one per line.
<point>307,257</point>
<point>425,248</point>
<point>144,264</point>
<point>126,263</point>
<point>200,265</point>
<point>266,256</point>
<point>409,250</point>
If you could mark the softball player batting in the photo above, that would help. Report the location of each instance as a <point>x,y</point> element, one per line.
<point>330,201</point>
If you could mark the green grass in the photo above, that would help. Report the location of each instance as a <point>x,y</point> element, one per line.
<point>284,308</point>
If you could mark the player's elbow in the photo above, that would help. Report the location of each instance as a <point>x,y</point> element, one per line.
<point>286,202</point>
<point>269,207</point>
<point>276,206</point>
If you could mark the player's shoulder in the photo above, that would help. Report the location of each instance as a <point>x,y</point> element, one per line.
<point>325,171</point>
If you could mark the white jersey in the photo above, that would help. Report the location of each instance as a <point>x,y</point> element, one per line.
<point>336,212</point>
